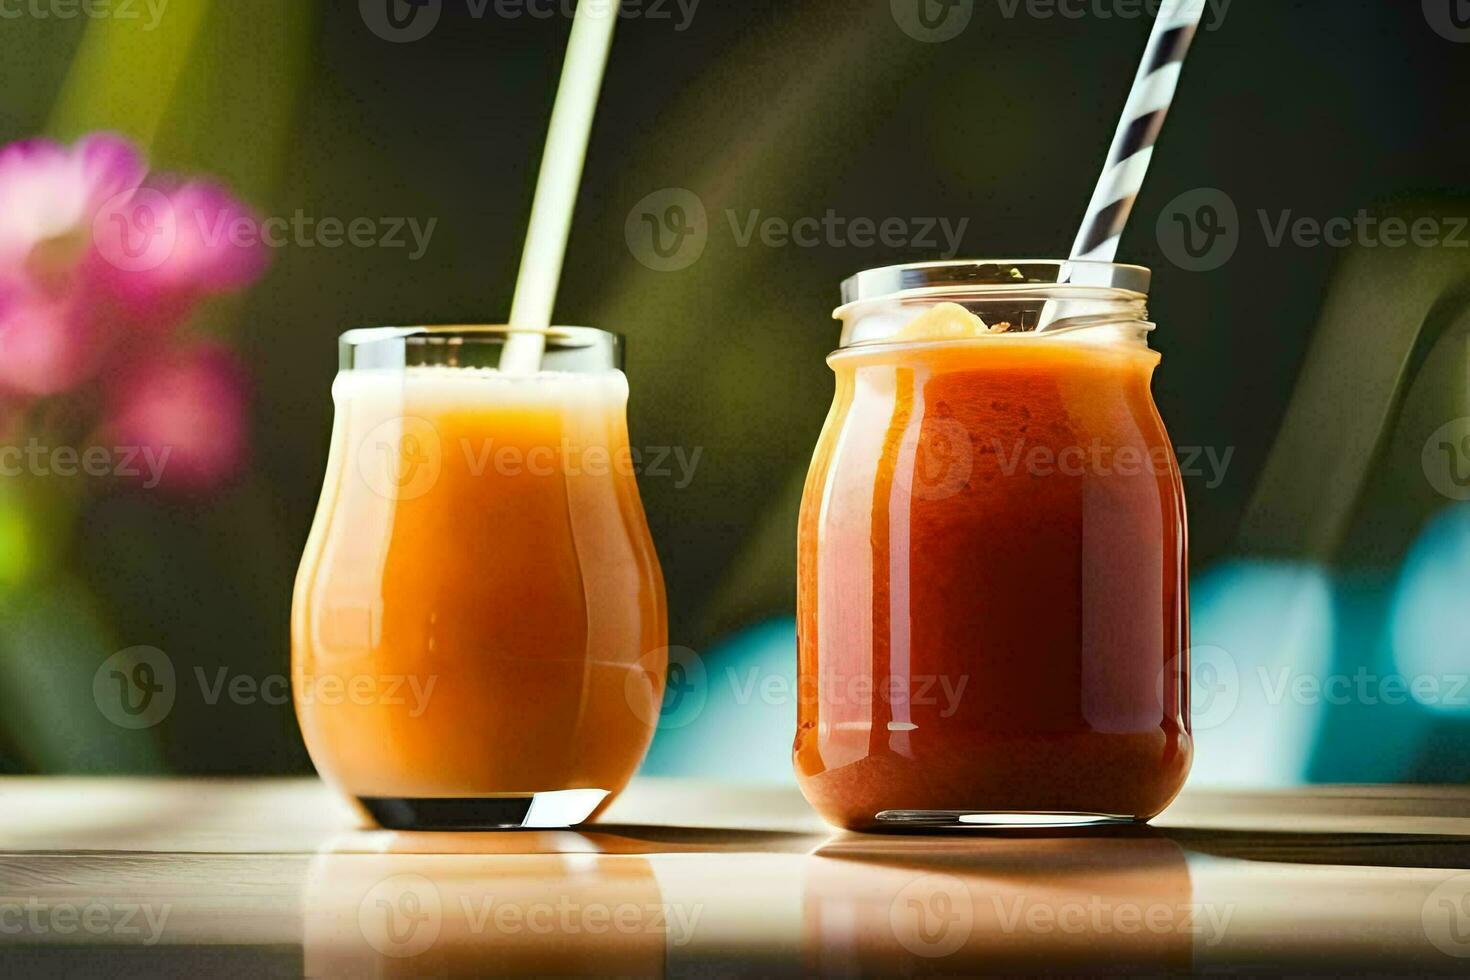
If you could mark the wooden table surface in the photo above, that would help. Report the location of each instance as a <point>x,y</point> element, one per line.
<point>112,877</point>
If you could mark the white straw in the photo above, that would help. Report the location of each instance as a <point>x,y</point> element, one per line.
<point>556,187</point>
<point>1132,149</point>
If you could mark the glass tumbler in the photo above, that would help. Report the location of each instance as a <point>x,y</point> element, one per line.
<point>479,624</point>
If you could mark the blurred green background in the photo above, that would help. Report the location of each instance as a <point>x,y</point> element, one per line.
<point>792,110</point>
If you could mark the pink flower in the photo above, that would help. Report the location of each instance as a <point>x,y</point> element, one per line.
<point>47,344</point>
<point>164,248</point>
<point>49,195</point>
<point>91,256</point>
<point>186,409</point>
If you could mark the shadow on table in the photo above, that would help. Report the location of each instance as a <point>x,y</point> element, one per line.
<point>625,839</point>
<point>1355,850</point>
<point>1365,850</point>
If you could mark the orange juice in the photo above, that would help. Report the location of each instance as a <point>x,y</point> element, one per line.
<point>479,616</point>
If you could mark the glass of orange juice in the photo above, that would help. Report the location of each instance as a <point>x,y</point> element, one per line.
<point>479,628</point>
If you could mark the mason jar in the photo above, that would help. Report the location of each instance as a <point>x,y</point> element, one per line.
<point>992,599</point>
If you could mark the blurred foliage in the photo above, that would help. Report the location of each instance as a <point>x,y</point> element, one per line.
<point>212,89</point>
<point>788,109</point>
<point>110,51</point>
<point>48,653</point>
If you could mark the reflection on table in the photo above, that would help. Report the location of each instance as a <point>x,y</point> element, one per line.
<point>272,877</point>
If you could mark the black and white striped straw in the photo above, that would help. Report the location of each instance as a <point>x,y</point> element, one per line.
<point>1143,118</point>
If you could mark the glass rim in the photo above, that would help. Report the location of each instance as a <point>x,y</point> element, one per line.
<point>992,275</point>
<point>474,333</point>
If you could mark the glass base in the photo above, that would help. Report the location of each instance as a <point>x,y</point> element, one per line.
<point>553,810</point>
<point>1002,820</point>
